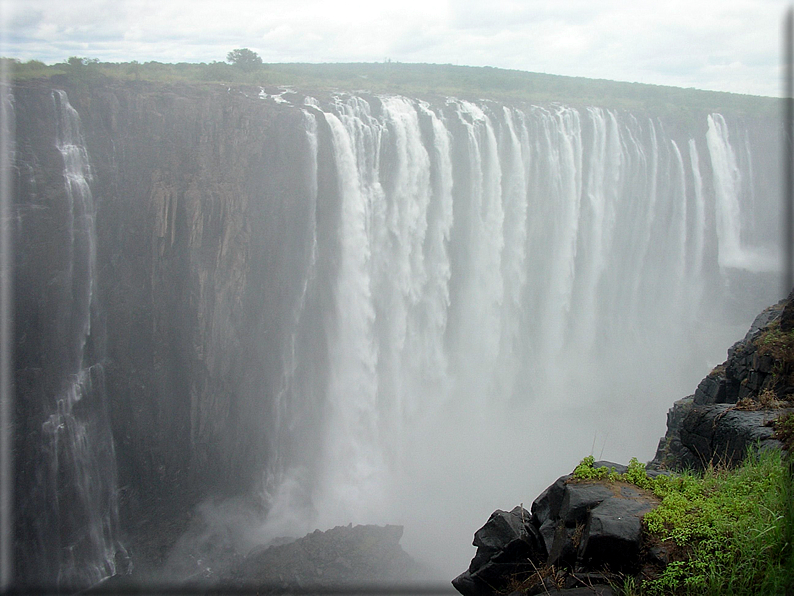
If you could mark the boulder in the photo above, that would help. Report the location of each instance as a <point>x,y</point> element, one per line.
<point>670,453</point>
<point>547,505</point>
<point>583,529</point>
<point>612,536</point>
<point>509,546</point>
<point>722,434</point>
<point>580,498</point>
<point>342,558</point>
<point>564,545</point>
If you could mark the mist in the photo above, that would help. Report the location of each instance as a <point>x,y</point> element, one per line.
<point>369,309</point>
<point>514,289</point>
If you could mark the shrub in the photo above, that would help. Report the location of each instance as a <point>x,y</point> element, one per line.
<point>732,529</point>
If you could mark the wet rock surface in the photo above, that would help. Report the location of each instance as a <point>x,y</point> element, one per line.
<point>345,556</point>
<point>734,406</point>
<point>577,536</point>
<point>721,434</point>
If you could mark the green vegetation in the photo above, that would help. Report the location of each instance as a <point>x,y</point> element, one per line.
<point>244,58</point>
<point>777,343</point>
<point>419,80</point>
<point>784,430</point>
<point>726,531</point>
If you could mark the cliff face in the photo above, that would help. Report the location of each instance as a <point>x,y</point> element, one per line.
<point>735,406</point>
<point>221,290</point>
<point>202,234</point>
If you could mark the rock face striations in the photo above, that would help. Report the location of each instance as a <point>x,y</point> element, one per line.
<point>203,229</point>
<point>733,407</point>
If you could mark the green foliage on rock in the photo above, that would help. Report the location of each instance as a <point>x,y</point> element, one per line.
<point>635,473</point>
<point>731,525</point>
<point>728,531</point>
<point>784,430</point>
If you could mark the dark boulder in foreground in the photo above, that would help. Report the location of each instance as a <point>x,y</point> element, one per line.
<point>577,536</point>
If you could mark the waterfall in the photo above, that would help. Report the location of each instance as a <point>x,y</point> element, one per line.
<point>733,187</point>
<point>80,479</point>
<point>728,186</point>
<point>496,259</point>
<point>698,216</point>
<point>449,302</point>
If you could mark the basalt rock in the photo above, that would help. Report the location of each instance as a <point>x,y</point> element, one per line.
<point>509,546</point>
<point>722,435</point>
<point>613,534</point>
<point>585,530</point>
<point>345,557</point>
<point>709,427</point>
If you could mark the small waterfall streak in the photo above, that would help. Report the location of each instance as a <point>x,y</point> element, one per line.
<point>727,188</point>
<point>698,216</point>
<point>483,288</point>
<point>433,309</point>
<point>77,436</point>
<point>678,230</point>
<point>514,198</point>
<point>565,152</point>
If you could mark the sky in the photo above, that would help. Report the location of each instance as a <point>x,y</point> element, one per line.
<point>722,45</point>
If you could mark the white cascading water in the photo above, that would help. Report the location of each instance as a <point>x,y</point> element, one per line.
<point>78,441</point>
<point>506,290</point>
<point>513,287</point>
<point>731,191</point>
<point>727,188</point>
<point>698,211</point>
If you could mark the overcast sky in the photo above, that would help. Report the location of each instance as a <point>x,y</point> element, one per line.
<point>725,45</point>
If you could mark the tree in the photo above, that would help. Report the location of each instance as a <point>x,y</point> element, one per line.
<point>246,59</point>
<point>77,61</point>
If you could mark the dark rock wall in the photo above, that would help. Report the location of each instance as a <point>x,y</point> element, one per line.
<point>727,414</point>
<point>205,222</point>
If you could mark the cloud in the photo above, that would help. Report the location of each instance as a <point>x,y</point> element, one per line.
<point>724,45</point>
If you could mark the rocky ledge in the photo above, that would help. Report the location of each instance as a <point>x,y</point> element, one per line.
<point>574,532</point>
<point>735,406</point>
<point>581,536</point>
<point>344,557</point>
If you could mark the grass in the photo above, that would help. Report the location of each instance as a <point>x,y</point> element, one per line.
<point>784,430</point>
<point>421,80</point>
<point>728,531</point>
<point>779,345</point>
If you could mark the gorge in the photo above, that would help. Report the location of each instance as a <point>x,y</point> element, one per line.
<point>354,307</point>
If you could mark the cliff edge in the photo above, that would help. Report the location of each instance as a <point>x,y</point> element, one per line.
<point>591,533</point>
<point>735,406</point>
